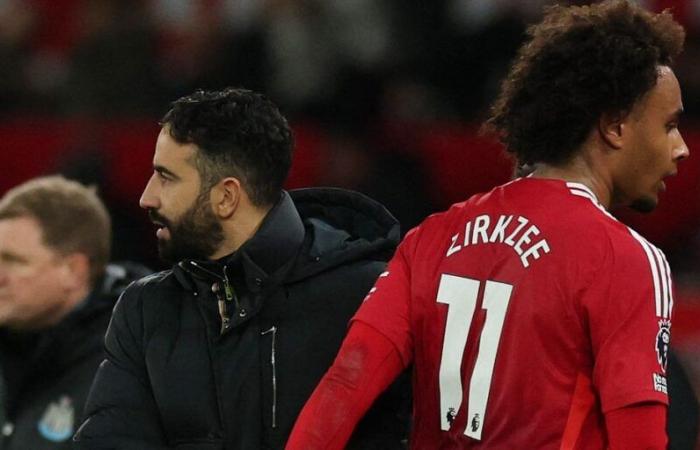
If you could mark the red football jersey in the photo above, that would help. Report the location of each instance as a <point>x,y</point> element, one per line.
<point>528,313</point>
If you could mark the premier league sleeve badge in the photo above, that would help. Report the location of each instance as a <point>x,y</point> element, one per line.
<point>663,340</point>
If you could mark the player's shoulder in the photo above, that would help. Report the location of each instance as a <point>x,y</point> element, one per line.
<point>632,251</point>
<point>623,241</point>
<point>586,217</point>
<point>638,268</point>
<point>625,249</point>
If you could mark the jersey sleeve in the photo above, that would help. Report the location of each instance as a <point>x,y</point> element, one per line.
<point>387,306</point>
<point>629,320</point>
<point>637,426</point>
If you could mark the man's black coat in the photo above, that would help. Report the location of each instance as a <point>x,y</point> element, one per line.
<point>178,376</point>
<point>47,373</point>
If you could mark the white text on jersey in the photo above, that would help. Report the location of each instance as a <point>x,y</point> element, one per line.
<point>514,231</point>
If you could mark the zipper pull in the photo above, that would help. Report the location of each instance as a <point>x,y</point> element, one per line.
<point>223,313</point>
<point>228,289</point>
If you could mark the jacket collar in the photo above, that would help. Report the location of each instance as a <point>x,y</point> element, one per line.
<point>265,257</point>
<point>278,239</point>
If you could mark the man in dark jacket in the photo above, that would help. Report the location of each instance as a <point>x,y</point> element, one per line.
<point>56,297</point>
<point>222,351</point>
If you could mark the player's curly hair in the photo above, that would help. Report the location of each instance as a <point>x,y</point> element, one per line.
<point>579,63</point>
<point>238,133</point>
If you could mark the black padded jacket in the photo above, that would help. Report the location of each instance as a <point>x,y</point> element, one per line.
<point>223,354</point>
<point>47,374</point>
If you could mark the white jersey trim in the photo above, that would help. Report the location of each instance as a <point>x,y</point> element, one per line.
<point>661,276</point>
<point>658,265</point>
<point>670,285</point>
<point>583,191</point>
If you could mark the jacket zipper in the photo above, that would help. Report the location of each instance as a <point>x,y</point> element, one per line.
<point>273,331</point>
<point>229,294</point>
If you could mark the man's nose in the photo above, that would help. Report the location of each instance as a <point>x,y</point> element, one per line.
<point>681,151</point>
<point>149,197</point>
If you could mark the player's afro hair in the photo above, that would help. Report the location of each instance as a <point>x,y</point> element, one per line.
<point>579,63</point>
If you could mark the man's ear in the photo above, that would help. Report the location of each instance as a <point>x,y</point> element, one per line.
<point>612,128</point>
<point>77,271</point>
<point>226,197</point>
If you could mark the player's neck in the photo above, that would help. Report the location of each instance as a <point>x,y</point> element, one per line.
<point>577,171</point>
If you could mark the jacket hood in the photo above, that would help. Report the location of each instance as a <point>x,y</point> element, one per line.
<point>308,231</point>
<point>342,226</point>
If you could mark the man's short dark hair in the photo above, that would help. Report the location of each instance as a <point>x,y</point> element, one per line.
<point>579,63</point>
<point>71,216</point>
<point>238,133</point>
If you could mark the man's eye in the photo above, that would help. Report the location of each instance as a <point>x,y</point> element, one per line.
<point>11,260</point>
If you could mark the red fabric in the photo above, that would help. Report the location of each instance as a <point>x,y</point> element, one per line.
<point>366,364</point>
<point>640,426</point>
<point>510,345</point>
<point>582,402</point>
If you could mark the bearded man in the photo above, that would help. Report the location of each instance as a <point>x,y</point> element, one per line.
<point>223,350</point>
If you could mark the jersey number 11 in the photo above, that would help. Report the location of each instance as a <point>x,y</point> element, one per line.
<point>461,295</point>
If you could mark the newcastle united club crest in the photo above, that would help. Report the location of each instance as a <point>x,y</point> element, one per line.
<point>56,424</point>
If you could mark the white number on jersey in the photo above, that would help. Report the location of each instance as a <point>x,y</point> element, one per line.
<point>461,294</point>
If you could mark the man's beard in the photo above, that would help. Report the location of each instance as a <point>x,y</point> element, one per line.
<point>197,235</point>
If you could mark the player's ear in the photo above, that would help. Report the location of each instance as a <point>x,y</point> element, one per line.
<point>611,128</point>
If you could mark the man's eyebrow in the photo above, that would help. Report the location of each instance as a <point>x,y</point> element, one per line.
<point>677,113</point>
<point>164,171</point>
<point>11,257</point>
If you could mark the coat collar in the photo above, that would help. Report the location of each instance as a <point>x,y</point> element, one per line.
<point>268,255</point>
<point>278,239</point>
